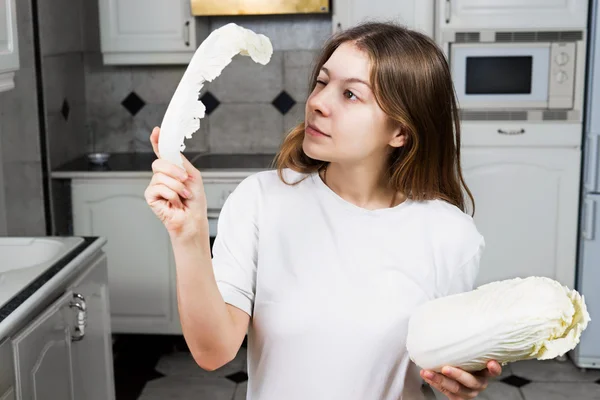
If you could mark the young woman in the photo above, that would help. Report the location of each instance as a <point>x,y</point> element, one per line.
<point>323,260</point>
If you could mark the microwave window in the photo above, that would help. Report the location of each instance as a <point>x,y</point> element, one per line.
<point>499,75</point>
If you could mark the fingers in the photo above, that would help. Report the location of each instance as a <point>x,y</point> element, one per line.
<point>175,185</point>
<point>453,388</point>
<point>468,380</point>
<point>161,192</point>
<point>154,140</point>
<point>165,167</point>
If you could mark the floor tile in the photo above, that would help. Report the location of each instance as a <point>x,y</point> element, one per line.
<point>183,364</point>
<point>186,388</point>
<point>241,391</point>
<point>500,391</point>
<point>553,371</point>
<point>561,391</point>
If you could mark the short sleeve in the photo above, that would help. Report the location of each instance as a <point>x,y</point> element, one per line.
<point>235,252</point>
<point>464,279</point>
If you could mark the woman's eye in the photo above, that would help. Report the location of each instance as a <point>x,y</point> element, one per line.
<point>349,95</point>
<point>320,82</point>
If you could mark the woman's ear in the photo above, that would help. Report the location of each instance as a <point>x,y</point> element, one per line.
<point>400,136</point>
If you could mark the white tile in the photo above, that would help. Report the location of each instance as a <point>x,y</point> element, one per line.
<point>25,32</point>
<point>156,84</point>
<point>293,117</point>
<point>111,127</point>
<point>553,371</point>
<point>561,391</point>
<point>186,388</point>
<point>106,84</point>
<point>245,81</point>
<point>296,82</point>
<point>91,26</point>
<point>300,59</point>
<point>245,128</point>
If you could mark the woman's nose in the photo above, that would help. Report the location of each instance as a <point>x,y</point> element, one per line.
<point>317,102</point>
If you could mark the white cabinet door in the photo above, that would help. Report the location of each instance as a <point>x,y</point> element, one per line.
<point>9,44</point>
<point>526,207</point>
<point>42,353</point>
<point>147,31</point>
<point>415,14</point>
<point>138,250</point>
<point>527,14</point>
<point>92,358</point>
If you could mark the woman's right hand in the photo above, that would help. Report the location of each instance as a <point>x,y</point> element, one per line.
<point>176,196</point>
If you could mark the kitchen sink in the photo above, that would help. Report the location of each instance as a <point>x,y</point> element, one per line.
<point>17,253</point>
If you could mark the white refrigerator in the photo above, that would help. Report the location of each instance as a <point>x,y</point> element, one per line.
<point>587,353</point>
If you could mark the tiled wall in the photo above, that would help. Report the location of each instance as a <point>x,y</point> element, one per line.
<point>249,107</point>
<point>23,210</point>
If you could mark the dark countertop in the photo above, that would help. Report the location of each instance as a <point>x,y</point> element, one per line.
<point>142,163</point>
<point>32,287</point>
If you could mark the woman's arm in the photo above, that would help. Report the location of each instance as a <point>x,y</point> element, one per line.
<point>213,330</point>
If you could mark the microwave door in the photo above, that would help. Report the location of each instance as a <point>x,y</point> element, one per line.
<point>501,76</point>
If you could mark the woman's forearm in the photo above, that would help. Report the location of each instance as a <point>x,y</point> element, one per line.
<point>206,322</point>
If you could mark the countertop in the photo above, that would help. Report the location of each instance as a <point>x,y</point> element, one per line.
<point>35,291</point>
<point>139,165</point>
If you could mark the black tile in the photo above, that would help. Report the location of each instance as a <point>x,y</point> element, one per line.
<point>65,110</point>
<point>238,377</point>
<point>516,381</point>
<point>133,103</point>
<point>135,359</point>
<point>283,102</point>
<point>210,102</point>
<point>598,381</point>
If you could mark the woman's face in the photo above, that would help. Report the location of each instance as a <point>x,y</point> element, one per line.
<point>343,122</point>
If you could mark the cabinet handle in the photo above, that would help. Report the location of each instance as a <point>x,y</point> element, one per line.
<point>187,33</point>
<point>513,132</point>
<point>81,321</point>
<point>338,27</point>
<point>589,209</point>
<point>447,11</point>
<point>592,151</point>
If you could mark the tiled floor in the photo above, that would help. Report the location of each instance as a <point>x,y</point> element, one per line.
<point>160,367</point>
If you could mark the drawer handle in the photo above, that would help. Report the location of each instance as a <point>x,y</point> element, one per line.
<point>79,303</point>
<point>513,132</point>
<point>187,33</point>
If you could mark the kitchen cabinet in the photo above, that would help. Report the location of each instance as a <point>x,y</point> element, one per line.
<point>141,271</point>
<point>7,371</point>
<point>66,351</point>
<point>148,31</point>
<point>9,44</point>
<point>530,15</point>
<point>526,207</point>
<point>415,14</point>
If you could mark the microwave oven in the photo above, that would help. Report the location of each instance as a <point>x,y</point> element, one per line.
<point>514,76</point>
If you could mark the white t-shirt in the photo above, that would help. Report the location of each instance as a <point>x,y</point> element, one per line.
<point>330,286</point>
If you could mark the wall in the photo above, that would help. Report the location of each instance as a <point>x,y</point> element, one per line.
<point>19,140</point>
<point>124,103</point>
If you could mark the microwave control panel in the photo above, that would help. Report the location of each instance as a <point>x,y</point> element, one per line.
<point>562,75</point>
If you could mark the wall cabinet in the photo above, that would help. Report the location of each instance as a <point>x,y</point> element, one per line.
<point>147,31</point>
<point>531,15</point>
<point>415,14</point>
<point>526,207</point>
<point>9,44</point>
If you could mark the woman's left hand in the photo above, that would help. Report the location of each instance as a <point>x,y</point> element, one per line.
<point>457,384</point>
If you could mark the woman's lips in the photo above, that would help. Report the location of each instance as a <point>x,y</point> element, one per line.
<point>312,131</point>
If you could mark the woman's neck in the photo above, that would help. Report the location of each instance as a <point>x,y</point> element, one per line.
<point>361,185</point>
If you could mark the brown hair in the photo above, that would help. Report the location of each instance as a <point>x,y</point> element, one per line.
<point>412,84</point>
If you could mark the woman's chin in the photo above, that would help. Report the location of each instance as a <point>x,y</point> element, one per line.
<point>315,151</point>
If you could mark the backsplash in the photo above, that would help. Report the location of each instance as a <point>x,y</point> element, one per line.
<point>250,107</point>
